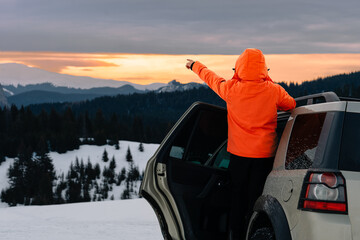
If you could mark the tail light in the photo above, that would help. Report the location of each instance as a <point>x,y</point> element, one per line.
<point>324,192</point>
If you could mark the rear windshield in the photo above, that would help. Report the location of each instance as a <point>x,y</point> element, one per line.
<point>350,146</point>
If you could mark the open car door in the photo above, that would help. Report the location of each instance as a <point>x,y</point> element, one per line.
<point>186,181</point>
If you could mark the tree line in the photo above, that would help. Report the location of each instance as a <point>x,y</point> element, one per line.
<point>33,180</point>
<point>344,85</point>
<point>136,117</point>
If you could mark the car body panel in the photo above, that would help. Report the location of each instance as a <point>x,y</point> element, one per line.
<point>315,225</point>
<point>285,186</point>
<point>353,198</point>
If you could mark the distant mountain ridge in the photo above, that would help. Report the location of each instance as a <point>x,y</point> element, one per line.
<point>176,86</point>
<point>39,97</point>
<point>23,85</point>
<point>3,99</point>
<point>19,74</point>
<point>11,90</point>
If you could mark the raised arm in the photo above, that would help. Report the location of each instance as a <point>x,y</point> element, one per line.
<point>216,83</point>
<point>285,101</point>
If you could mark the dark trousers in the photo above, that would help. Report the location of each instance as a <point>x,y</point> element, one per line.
<point>248,176</point>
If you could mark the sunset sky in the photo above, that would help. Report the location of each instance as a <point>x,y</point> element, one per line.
<point>147,41</point>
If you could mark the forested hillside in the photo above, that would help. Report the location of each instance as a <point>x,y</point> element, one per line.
<point>137,117</point>
<point>344,85</point>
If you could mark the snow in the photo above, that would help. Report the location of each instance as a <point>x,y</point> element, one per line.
<point>94,153</point>
<point>121,219</point>
<point>118,219</point>
<point>4,181</point>
<point>9,92</point>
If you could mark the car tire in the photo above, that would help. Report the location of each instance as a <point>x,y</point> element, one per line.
<point>264,233</point>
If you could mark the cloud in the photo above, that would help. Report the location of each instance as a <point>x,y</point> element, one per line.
<point>176,27</point>
<point>59,65</point>
<point>56,62</point>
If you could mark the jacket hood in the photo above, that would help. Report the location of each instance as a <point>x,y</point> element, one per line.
<point>251,66</point>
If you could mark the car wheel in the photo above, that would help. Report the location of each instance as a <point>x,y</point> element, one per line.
<point>264,233</point>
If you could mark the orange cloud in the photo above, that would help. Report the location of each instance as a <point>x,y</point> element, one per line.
<point>149,68</point>
<point>56,62</point>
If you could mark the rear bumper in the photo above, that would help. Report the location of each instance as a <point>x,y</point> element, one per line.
<point>314,225</point>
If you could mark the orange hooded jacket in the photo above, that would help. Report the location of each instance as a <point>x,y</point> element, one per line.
<point>252,102</point>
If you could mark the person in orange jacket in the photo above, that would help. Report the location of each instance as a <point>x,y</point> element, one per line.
<point>252,100</point>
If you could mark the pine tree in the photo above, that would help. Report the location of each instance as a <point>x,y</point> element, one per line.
<point>105,156</point>
<point>19,175</point>
<point>60,187</point>
<point>141,147</point>
<point>31,179</point>
<point>105,173</point>
<point>72,172</point>
<point>86,193</point>
<point>89,171</point>
<point>129,157</point>
<point>77,165</point>
<point>73,192</point>
<point>43,179</point>
<point>117,146</point>
<point>121,176</point>
<point>105,190</point>
<point>126,193</point>
<point>97,170</point>
<point>112,165</point>
<point>133,174</point>
<point>99,126</point>
<point>82,171</point>
<point>111,170</point>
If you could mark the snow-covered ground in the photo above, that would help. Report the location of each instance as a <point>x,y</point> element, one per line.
<point>94,154</point>
<point>120,219</point>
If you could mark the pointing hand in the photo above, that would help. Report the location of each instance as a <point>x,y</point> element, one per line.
<point>189,63</point>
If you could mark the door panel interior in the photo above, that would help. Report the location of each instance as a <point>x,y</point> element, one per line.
<point>200,187</point>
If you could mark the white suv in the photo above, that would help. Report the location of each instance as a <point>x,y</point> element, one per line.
<point>311,193</point>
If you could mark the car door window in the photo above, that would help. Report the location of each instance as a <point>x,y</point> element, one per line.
<point>222,158</point>
<point>304,140</point>
<point>200,137</point>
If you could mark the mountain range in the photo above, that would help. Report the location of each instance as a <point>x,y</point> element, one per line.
<point>23,85</point>
<point>19,74</point>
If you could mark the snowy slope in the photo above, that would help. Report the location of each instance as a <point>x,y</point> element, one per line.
<point>62,161</point>
<point>105,220</point>
<point>94,153</point>
<point>121,219</point>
